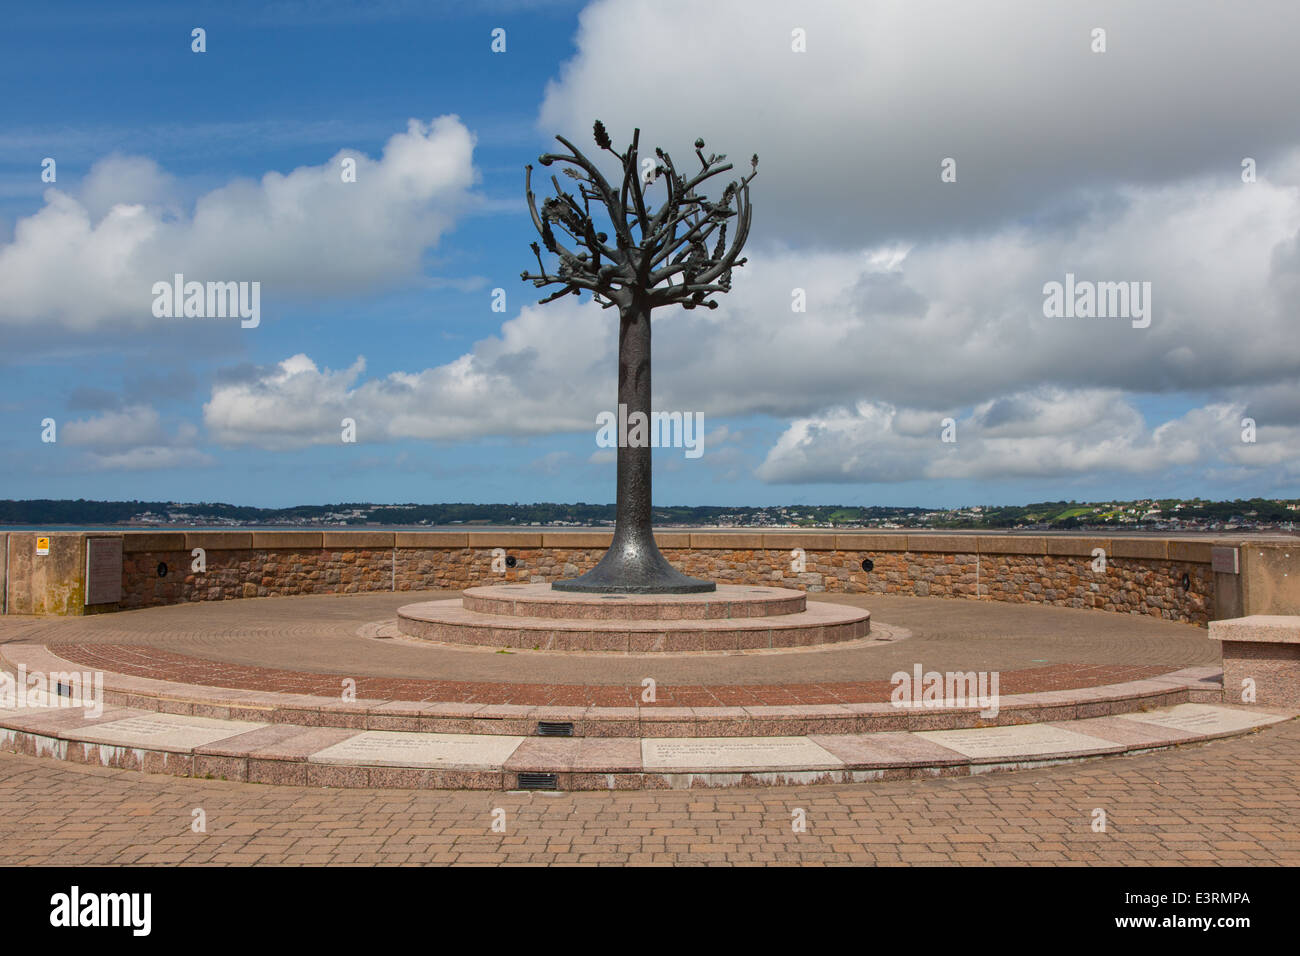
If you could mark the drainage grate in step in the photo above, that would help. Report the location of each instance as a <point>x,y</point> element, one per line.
<point>538,781</point>
<point>554,728</point>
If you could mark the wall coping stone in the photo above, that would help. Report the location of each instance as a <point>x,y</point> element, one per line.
<point>1258,629</point>
<point>505,539</point>
<point>219,540</point>
<point>954,543</point>
<point>577,539</point>
<point>136,542</point>
<point>358,539</point>
<point>288,539</point>
<point>1077,547</point>
<point>808,540</point>
<point>430,539</point>
<point>714,540</point>
<point>1011,544</point>
<point>1153,548</point>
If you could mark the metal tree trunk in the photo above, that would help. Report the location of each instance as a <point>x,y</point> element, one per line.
<point>633,563</point>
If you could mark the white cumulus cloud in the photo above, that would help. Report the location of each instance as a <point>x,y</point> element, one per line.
<point>89,258</point>
<point>550,370</point>
<point>1045,433</point>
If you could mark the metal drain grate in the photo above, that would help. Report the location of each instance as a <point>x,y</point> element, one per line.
<point>554,728</point>
<point>538,781</point>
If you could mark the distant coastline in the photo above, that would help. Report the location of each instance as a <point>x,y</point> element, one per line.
<point>729,529</point>
<point>1161,516</point>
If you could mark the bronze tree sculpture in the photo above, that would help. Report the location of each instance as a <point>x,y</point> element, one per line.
<point>656,259</point>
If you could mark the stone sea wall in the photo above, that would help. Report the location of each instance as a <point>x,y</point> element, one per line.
<point>1167,577</point>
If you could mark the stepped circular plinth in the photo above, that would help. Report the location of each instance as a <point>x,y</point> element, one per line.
<point>728,601</point>
<point>732,618</point>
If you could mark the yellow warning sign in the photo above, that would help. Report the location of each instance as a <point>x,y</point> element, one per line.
<point>42,545</point>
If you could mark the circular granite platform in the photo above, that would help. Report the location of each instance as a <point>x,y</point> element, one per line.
<point>326,690</point>
<point>732,618</point>
<point>306,644</point>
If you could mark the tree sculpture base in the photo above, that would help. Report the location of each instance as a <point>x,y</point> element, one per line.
<point>633,565</point>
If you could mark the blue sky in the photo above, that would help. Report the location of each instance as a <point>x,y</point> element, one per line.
<point>925,297</point>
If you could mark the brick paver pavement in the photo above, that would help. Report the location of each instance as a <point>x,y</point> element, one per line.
<point>146,661</point>
<point>1234,801</point>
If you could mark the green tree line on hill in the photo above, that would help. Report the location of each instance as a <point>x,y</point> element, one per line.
<point>1050,514</point>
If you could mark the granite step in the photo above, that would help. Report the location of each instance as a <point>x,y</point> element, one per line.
<point>262,752</point>
<point>728,601</point>
<point>451,622</point>
<point>151,695</point>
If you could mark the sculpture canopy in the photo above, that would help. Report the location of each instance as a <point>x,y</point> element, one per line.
<point>656,258</point>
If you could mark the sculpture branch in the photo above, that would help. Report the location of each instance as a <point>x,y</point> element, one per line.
<point>673,240</point>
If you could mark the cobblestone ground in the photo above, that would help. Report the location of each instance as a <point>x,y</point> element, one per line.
<point>1233,801</point>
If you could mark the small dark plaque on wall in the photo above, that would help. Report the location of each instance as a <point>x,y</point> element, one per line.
<point>1224,561</point>
<point>103,570</point>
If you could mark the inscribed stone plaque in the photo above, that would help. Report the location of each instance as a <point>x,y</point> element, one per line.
<point>1022,740</point>
<point>1224,561</point>
<point>103,570</point>
<point>713,754</point>
<point>388,748</point>
<point>1204,719</point>
<point>165,731</point>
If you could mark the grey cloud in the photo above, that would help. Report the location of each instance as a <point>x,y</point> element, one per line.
<point>88,399</point>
